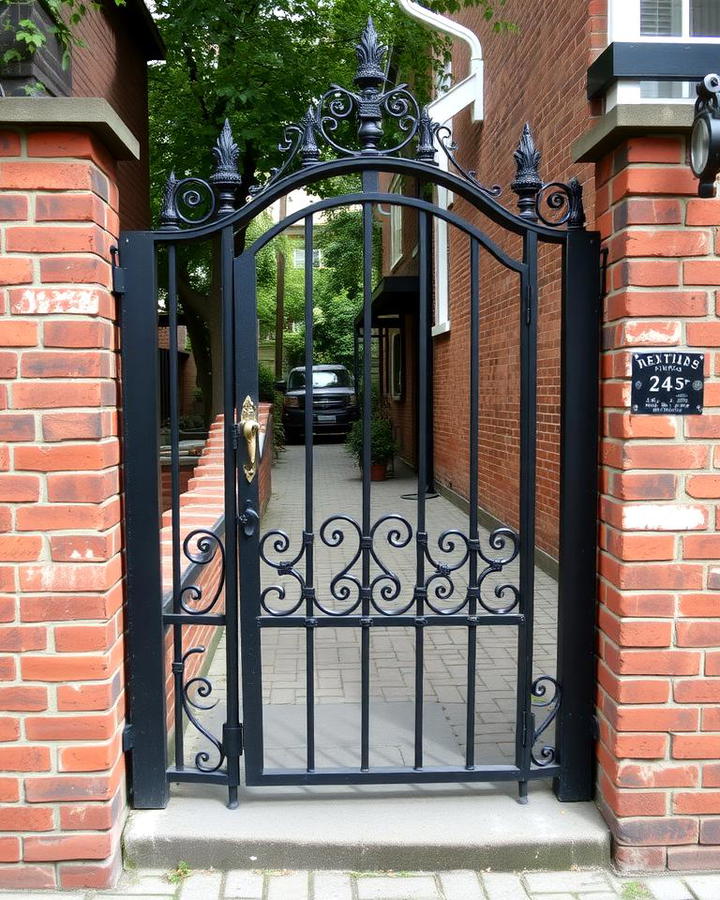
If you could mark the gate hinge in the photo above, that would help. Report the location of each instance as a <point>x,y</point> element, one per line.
<point>128,737</point>
<point>118,280</point>
<point>232,741</point>
<point>118,273</point>
<point>595,728</point>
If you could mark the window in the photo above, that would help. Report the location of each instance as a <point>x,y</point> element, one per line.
<point>396,226</point>
<point>396,364</point>
<point>321,378</point>
<point>671,21</point>
<point>299,258</point>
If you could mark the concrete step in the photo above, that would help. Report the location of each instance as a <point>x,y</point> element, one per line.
<point>370,828</point>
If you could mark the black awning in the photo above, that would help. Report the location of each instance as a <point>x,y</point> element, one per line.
<point>394,296</point>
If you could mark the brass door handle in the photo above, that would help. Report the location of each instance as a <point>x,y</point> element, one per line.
<point>250,430</point>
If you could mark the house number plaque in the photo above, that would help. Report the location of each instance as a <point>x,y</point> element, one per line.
<point>667,382</point>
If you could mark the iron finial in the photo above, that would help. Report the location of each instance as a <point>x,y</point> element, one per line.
<point>576,211</point>
<point>225,179</point>
<point>527,182</point>
<point>169,219</point>
<point>369,78</point>
<point>370,54</point>
<point>309,151</point>
<point>426,151</point>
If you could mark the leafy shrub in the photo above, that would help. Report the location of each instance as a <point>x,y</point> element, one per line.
<point>382,443</point>
<point>266,383</point>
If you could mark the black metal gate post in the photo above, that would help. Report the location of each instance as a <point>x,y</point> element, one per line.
<point>146,735</point>
<point>580,341</point>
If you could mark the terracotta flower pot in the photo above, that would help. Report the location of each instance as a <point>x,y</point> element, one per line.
<point>377,471</point>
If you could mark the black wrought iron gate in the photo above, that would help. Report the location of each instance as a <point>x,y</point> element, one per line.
<point>456,572</point>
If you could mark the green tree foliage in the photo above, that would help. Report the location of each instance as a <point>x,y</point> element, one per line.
<point>259,64</point>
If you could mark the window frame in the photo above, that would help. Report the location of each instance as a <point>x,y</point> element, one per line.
<point>396,224</point>
<point>623,27</point>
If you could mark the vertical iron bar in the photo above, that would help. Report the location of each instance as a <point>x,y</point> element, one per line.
<point>232,743</point>
<point>423,435</point>
<point>528,416</point>
<point>473,494</point>
<point>246,380</point>
<point>177,664</point>
<point>580,350</point>
<point>367,461</point>
<point>308,535</point>
<point>141,482</point>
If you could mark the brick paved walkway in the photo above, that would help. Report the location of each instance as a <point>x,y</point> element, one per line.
<point>458,885</point>
<point>392,677</point>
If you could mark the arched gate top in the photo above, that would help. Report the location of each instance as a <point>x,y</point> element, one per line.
<point>194,208</point>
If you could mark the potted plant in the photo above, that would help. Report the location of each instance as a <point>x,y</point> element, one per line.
<point>382,445</point>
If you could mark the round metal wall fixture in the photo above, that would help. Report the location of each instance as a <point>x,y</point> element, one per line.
<point>705,136</point>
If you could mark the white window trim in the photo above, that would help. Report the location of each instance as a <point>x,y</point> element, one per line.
<point>395,336</point>
<point>624,25</point>
<point>442,247</point>
<point>396,226</point>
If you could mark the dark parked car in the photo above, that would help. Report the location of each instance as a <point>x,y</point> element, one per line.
<point>334,400</point>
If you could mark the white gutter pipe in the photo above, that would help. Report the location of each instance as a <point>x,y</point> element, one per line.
<point>469,91</point>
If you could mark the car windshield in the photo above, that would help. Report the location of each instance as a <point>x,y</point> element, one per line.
<point>332,378</point>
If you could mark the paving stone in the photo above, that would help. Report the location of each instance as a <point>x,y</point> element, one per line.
<point>570,882</point>
<point>596,895</point>
<point>244,883</point>
<point>145,884</point>
<point>397,887</point>
<point>705,887</point>
<point>554,896</point>
<point>288,886</point>
<point>461,885</point>
<point>667,888</point>
<point>501,886</point>
<point>201,886</point>
<point>332,886</point>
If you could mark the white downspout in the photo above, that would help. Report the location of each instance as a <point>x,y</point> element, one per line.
<point>469,91</point>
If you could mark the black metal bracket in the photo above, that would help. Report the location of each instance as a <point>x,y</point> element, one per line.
<point>232,741</point>
<point>650,60</point>
<point>128,737</point>
<point>118,273</point>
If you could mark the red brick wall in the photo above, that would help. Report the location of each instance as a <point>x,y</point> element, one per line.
<point>659,619</point>
<point>523,82</point>
<point>112,65</point>
<point>61,648</point>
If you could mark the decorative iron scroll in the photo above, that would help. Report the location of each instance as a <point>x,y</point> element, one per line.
<point>440,584</point>
<point>376,119</point>
<point>207,545</point>
<point>539,689</point>
<point>384,587</point>
<point>200,686</point>
<point>532,193</point>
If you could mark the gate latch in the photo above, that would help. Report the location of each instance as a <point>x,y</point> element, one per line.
<point>250,429</point>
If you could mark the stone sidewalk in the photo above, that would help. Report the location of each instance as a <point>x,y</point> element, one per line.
<point>458,885</point>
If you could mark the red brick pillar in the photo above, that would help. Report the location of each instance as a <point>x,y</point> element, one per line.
<point>62,791</point>
<point>659,617</point>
